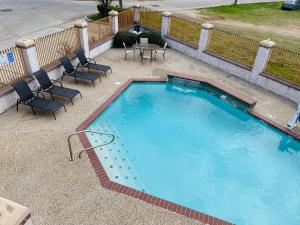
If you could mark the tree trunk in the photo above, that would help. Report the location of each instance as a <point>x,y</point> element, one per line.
<point>121,4</point>
<point>235,2</point>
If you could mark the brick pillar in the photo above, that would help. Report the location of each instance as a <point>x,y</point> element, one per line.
<point>84,37</point>
<point>29,54</point>
<point>204,38</point>
<point>115,21</point>
<point>262,58</point>
<point>165,23</point>
<point>137,13</point>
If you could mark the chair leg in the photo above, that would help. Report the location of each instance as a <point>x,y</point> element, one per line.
<point>52,97</point>
<point>76,81</point>
<point>111,70</point>
<point>80,95</point>
<point>164,56</point>
<point>71,100</point>
<point>17,105</point>
<point>53,115</point>
<point>64,107</point>
<point>33,110</point>
<point>93,83</point>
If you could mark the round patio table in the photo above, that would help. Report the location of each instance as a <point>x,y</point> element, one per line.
<point>149,46</point>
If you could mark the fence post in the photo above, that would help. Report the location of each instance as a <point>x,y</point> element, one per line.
<point>84,37</point>
<point>115,21</point>
<point>29,54</point>
<point>262,57</point>
<point>204,38</point>
<point>165,23</point>
<point>137,13</point>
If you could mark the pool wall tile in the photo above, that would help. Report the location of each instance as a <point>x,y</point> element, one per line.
<point>196,82</point>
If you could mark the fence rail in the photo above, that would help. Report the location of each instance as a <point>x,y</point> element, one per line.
<point>185,30</point>
<point>13,69</point>
<point>235,47</point>
<point>284,64</point>
<point>126,19</point>
<point>151,19</point>
<point>99,30</point>
<point>51,47</point>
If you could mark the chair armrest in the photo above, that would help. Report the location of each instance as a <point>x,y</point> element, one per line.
<point>91,59</point>
<point>55,81</point>
<point>38,93</point>
<point>78,67</point>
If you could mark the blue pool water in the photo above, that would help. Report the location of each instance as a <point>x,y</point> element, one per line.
<point>197,150</point>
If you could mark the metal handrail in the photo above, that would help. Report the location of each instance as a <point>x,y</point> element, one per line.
<point>72,158</point>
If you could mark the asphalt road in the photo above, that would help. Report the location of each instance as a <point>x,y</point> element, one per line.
<point>33,18</point>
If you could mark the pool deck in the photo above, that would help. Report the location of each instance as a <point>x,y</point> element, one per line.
<point>35,170</point>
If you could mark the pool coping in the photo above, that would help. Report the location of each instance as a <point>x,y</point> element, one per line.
<point>185,211</point>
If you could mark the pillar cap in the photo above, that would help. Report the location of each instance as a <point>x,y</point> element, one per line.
<point>80,24</point>
<point>25,43</point>
<point>137,5</point>
<point>113,13</point>
<point>207,26</point>
<point>267,43</point>
<point>167,14</point>
<point>12,213</point>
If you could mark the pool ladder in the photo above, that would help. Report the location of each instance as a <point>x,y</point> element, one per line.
<point>72,157</point>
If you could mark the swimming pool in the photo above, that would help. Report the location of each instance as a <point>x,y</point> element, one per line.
<point>199,150</point>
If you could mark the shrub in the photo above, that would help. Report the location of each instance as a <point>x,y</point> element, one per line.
<point>153,37</point>
<point>128,37</point>
<point>104,7</point>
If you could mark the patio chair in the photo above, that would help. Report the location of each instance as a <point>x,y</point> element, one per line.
<point>90,63</point>
<point>162,50</point>
<point>46,85</point>
<point>72,72</point>
<point>128,51</point>
<point>146,54</point>
<point>144,41</point>
<point>28,98</point>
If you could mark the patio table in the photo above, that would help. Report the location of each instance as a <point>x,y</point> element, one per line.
<point>149,46</point>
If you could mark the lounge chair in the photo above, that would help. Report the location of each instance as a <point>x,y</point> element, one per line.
<point>90,63</point>
<point>27,98</point>
<point>47,86</point>
<point>72,72</point>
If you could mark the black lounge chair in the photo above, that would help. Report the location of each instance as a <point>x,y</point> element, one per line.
<point>27,98</point>
<point>72,72</point>
<point>90,63</point>
<point>46,85</point>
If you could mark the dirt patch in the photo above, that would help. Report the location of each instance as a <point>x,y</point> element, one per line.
<point>290,30</point>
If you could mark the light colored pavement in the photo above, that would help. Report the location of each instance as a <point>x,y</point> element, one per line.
<point>33,18</point>
<point>35,170</point>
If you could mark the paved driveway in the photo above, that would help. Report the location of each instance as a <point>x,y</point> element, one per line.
<point>32,18</point>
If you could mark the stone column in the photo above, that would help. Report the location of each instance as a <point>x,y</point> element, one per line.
<point>29,54</point>
<point>262,58</point>
<point>115,21</point>
<point>204,36</point>
<point>14,213</point>
<point>165,23</point>
<point>84,37</point>
<point>137,13</point>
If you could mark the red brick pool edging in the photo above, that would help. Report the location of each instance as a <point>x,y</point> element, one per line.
<point>107,183</point>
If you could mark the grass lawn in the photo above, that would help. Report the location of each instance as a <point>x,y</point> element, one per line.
<point>257,13</point>
<point>281,26</point>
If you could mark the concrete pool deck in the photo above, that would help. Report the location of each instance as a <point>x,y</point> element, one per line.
<point>35,170</point>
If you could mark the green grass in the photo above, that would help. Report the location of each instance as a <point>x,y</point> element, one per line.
<point>94,17</point>
<point>256,13</point>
